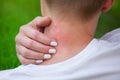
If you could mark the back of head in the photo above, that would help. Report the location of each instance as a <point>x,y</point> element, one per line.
<point>79,8</point>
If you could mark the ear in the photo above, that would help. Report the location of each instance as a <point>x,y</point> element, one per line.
<point>107,5</point>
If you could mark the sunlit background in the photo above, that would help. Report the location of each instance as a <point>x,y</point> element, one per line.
<point>14,13</point>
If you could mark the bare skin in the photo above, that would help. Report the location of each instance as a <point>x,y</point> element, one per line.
<point>30,34</point>
<point>72,35</point>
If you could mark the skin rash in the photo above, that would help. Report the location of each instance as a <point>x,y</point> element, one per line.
<point>69,39</point>
<point>71,33</point>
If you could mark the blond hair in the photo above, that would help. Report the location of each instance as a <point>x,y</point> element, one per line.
<point>83,8</point>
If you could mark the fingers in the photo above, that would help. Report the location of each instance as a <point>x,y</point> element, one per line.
<point>26,61</point>
<point>33,45</point>
<point>40,22</point>
<point>29,54</point>
<point>35,35</point>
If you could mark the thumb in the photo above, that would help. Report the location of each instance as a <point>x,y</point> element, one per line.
<point>40,22</point>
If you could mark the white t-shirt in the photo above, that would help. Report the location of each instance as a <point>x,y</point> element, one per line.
<point>100,60</point>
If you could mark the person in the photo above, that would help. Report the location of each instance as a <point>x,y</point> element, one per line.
<point>79,55</point>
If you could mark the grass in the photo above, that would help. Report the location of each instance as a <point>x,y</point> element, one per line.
<point>14,13</point>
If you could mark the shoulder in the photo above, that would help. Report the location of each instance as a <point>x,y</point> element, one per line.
<point>109,44</point>
<point>113,36</point>
<point>108,47</point>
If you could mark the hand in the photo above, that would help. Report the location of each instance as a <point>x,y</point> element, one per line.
<point>32,46</point>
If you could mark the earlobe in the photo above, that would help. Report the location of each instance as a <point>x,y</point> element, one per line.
<point>107,5</point>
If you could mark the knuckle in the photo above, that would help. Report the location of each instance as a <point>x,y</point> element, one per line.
<point>17,38</point>
<point>23,61</point>
<point>17,49</point>
<point>30,44</point>
<point>26,53</point>
<point>35,35</point>
<point>37,18</point>
<point>22,28</point>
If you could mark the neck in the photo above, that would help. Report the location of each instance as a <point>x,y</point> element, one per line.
<point>72,36</point>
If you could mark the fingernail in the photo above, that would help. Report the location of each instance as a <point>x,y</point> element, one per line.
<point>53,43</point>
<point>47,56</point>
<point>52,50</point>
<point>39,61</point>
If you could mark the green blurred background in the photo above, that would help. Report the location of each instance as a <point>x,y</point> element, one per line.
<point>14,13</point>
